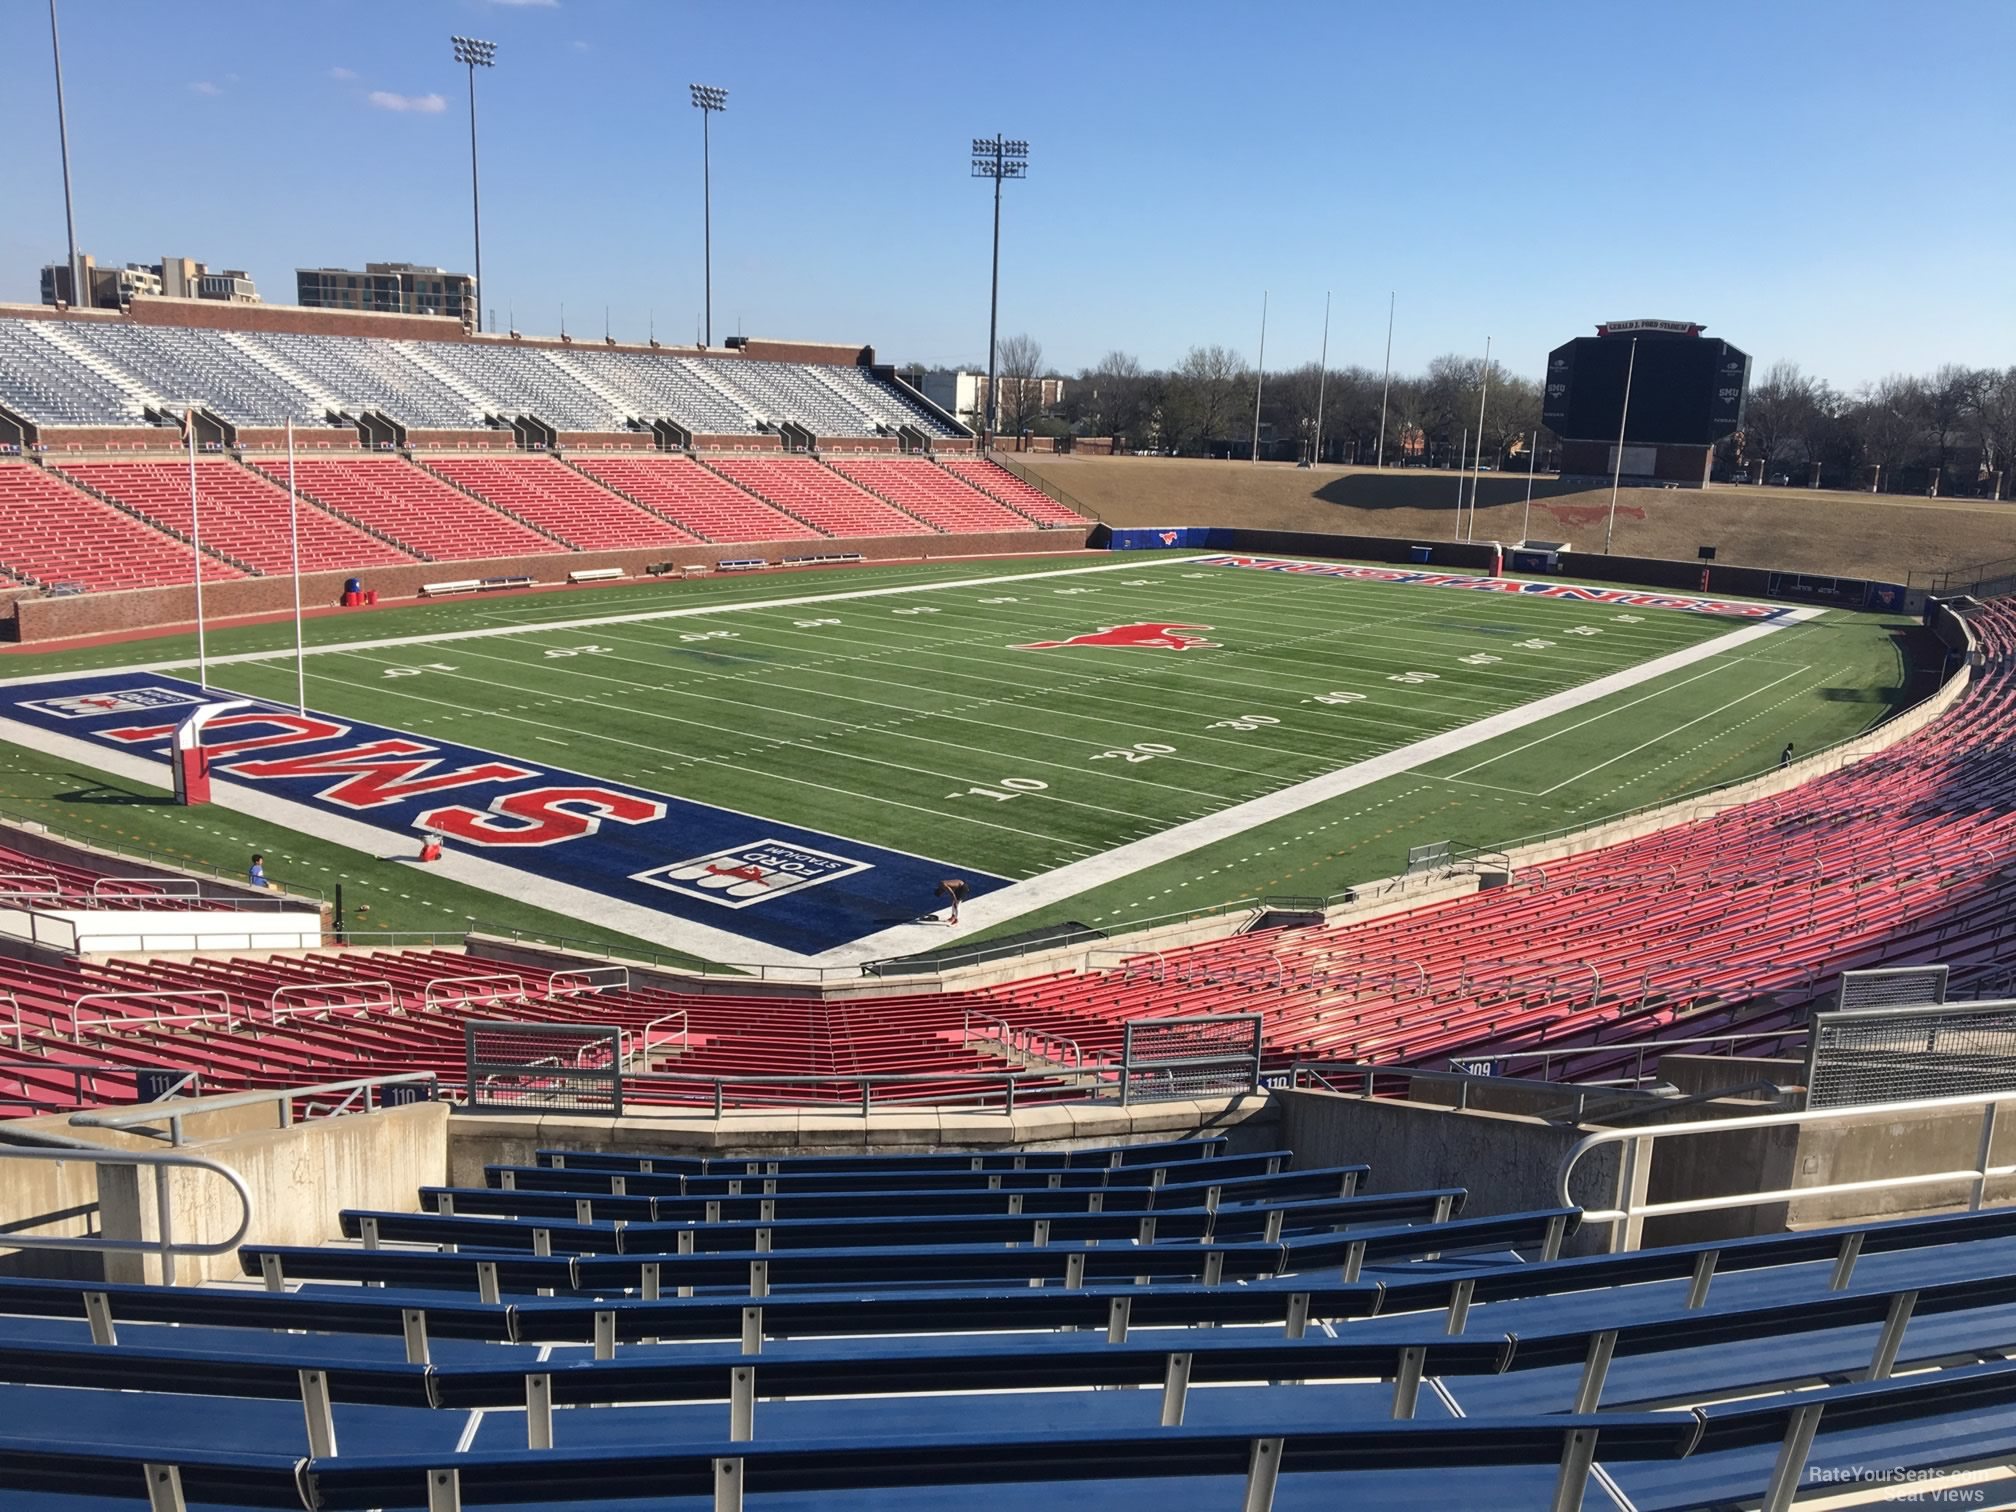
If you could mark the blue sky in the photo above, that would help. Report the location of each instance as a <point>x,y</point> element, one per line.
<point>1824,183</point>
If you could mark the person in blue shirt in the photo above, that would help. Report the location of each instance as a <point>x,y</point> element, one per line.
<point>258,871</point>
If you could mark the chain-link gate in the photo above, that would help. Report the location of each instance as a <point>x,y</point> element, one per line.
<point>1892,987</point>
<point>1879,1055</point>
<point>558,1068</point>
<point>1212,1055</point>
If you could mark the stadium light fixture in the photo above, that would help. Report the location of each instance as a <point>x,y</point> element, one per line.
<point>1617,471</point>
<point>707,99</point>
<point>997,158</point>
<point>476,54</point>
<point>63,140</point>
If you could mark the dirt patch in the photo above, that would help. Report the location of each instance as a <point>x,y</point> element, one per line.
<point>1856,535</point>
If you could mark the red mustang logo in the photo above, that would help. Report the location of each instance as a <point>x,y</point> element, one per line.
<point>1165,637</point>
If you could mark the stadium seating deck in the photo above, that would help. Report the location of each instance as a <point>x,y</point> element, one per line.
<point>103,373</point>
<point>556,498</point>
<point>818,495</point>
<point>243,514</point>
<point>53,534</point>
<point>518,1360</point>
<point>994,480</point>
<point>700,500</point>
<point>930,493</point>
<point>415,508</point>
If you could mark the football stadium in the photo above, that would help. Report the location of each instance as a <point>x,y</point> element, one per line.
<point>593,923</point>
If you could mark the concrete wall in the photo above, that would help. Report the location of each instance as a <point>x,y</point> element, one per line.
<point>1509,1161</point>
<point>1505,1161</point>
<point>300,1178</point>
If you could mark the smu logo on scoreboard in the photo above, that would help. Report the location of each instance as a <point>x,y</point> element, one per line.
<point>743,875</point>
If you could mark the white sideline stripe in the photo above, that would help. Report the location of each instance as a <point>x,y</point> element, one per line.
<point>1124,860</point>
<point>485,633</point>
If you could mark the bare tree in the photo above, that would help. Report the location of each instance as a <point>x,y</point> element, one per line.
<point>1205,389</point>
<point>1776,411</point>
<point>1110,398</point>
<point>1019,360</point>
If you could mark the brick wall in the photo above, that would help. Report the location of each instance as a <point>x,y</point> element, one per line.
<point>859,444</point>
<point>737,443</point>
<point>155,310</point>
<point>41,619</point>
<point>621,441</point>
<point>833,354</point>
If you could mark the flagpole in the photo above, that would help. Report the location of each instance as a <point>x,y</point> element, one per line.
<point>294,531</point>
<point>196,549</point>
<point>1386,388</point>
<point>1322,373</point>
<point>1477,471</point>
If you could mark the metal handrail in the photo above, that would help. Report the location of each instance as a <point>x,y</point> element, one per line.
<point>1321,1072</point>
<point>160,887</point>
<point>1549,1056</point>
<point>163,1243</point>
<point>577,979</point>
<point>1627,1219</point>
<point>864,1082</point>
<point>273,1010</point>
<point>129,1118</point>
<point>683,1038</point>
<point>515,992</point>
<point>161,1020</point>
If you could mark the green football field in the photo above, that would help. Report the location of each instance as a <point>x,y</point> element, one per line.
<point>907,706</point>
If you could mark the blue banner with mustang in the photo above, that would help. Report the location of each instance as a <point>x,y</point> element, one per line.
<point>786,886</point>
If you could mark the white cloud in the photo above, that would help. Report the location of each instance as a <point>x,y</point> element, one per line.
<point>578,46</point>
<point>343,75</point>
<point>545,4</point>
<point>427,104</point>
<point>204,87</point>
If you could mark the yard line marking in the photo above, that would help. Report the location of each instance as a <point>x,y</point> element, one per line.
<point>1745,698</point>
<point>730,764</point>
<point>1582,723</point>
<point>1126,860</point>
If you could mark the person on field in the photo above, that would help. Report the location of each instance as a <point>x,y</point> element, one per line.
<point>1785,756</point>
<point>954,889</point>
<point>256,873</point>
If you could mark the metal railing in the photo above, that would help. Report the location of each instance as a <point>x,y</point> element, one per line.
<point>1640,1048</point>
<point>138,1119</point>
<point>1627,1218</point>
<point>159,1019</point>
<point>1002,1087</point>
<point>383,996</point>
<point>1336,1076</point>
<point>647,1043</point>
<point>83,1080</point>
<point>471,991</point>
<point>163,1244</point>
<point>1032,1044</point>
<point>582,979</point>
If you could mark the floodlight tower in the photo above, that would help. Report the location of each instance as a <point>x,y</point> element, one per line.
<point>476,54</point>
<point>80,297</point>
<point>997,159</point>
<point>707,99</point>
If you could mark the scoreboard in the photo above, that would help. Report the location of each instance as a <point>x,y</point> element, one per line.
<point>1686,389</point>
